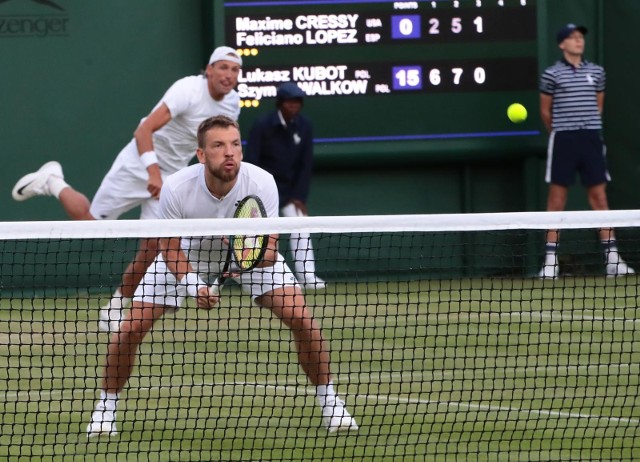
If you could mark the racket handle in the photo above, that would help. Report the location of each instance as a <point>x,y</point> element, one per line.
<point>214,288</point>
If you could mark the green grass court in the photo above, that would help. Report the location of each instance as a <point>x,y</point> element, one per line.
<point>482,369</point>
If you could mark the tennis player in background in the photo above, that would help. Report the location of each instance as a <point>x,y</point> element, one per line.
<point>163,143</point>
<point>212,189</point>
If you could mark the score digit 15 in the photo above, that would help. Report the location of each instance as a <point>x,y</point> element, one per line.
<point>407,77</point>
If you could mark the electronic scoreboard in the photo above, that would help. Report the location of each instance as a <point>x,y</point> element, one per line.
<point>391,70</point>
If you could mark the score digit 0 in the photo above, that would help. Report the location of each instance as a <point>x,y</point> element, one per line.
<point>409,26</point>
<point>406,27</point>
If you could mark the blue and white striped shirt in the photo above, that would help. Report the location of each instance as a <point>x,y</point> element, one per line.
<point>574,90</point>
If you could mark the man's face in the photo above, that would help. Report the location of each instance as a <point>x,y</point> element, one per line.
<point>290,108</point>
<point>574,44</point>
<point>222,77</point>
<point>222,153</point>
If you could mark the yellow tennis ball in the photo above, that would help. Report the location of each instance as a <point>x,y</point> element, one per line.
<point>517,113</point>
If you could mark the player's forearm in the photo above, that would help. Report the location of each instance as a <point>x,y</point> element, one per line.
<point>271,252</point>
<point>144,138</point>
<point>148,157</point>
<point>600,101</point>
<point>546,105</point>
<point>144,133</point>
<point>175,258</point>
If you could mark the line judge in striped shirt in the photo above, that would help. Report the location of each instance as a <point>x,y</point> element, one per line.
<point>571,104</point>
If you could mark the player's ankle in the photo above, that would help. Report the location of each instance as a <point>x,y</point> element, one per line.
<point>56,185</point>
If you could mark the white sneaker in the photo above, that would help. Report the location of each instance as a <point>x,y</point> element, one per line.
<point>549,272</point>
<point>103,423</point>
<point>110,319</point>
<point>312,282</point>
<point>35,184</point>
<point>336,418</point>
<point>619,269</point>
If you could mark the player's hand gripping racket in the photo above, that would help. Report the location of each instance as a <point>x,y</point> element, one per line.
<point>245,251</point>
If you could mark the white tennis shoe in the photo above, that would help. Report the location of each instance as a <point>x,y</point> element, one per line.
<point>36,183</point>
<point>110,319</point>
<point>103,423</point>
<point>619,269</point>
<point>549,272</point>
<point>336,418</point>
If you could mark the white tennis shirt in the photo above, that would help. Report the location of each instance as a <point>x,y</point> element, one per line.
<point>175,143</point>
<point>185,195</point>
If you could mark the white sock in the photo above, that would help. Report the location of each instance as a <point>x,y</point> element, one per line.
<point>551,254</point>
<point>611,252</point>
<point>303,255</point>
<point>56,185</point>
<point>118,301</point>
<point>325,393</point>
<point>108,400</point>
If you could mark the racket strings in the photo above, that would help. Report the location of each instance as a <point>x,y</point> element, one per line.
<point>247,249</point>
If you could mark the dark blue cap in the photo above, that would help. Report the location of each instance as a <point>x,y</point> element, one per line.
<point>290,90</point>
<point>567,30</point>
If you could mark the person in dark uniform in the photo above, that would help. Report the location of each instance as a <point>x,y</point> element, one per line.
<point>281,142</point>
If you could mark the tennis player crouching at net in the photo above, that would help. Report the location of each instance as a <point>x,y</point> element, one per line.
<point>212,189</point>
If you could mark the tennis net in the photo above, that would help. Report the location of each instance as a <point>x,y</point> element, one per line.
<point>444,344</point>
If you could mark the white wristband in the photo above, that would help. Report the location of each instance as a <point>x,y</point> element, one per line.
<point>191,283</point>
<point>148,158</point>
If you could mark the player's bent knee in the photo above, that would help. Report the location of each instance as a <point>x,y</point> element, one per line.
<point>140,320</point>
<point>282,297</point>
<point>301,320</point>
<point>131,332</point>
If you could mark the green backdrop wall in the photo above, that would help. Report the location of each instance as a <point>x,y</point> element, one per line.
<point>77,94</point>
<point>75,90</point>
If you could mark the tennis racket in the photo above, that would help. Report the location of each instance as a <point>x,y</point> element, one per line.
<point>245,251</point>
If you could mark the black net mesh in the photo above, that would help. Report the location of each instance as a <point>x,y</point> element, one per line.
<point>442,345</point>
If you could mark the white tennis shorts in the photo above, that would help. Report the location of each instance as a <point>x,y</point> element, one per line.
<point>124,187</point>
<point>159,285</point>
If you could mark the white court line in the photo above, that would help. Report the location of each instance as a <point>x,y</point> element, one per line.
<point>469,406</point>
<point>493,408</point>
<point>508,316</point>
<point>564,316</point>
<point>308,390</point>
<point>488,407</point>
